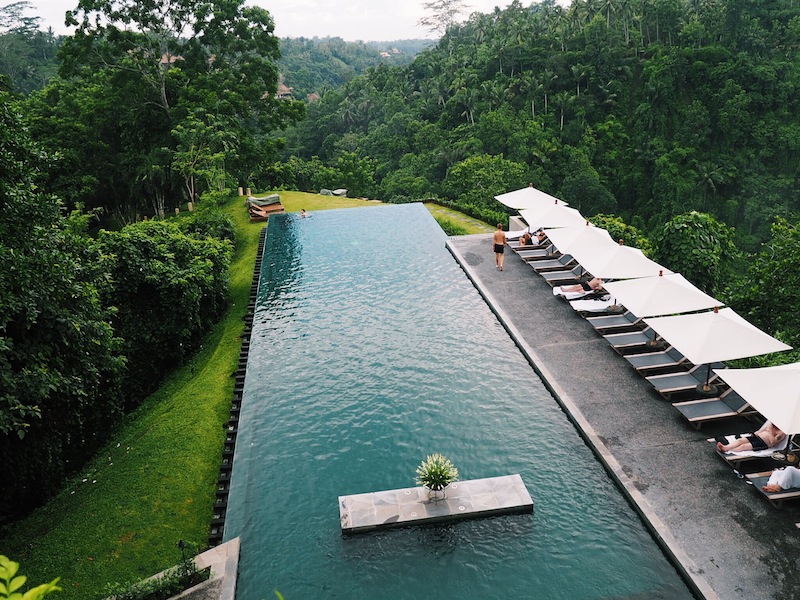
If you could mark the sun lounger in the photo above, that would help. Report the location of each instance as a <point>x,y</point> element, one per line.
<point>777,498</point>
<point>649,363</point>
<point>634,341</point>
<point>726,405</point>
<point>673,383</point>
<point>594,305</point>
<point>265,201</point>
<point>558,264</point>
<point>535,253</point>
<point>626,321</point>
<point>571,277</point>
<point>570,296</point>
<point>736,458</point>
<point>261,213</point>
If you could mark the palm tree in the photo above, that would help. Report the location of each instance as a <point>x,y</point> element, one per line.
<point>578,73</point>
<point>562,99</point>
<point>467,98</point>
<point>548,77</point>
<point>530,85</point>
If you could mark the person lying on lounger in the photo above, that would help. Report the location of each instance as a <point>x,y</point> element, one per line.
<point>593,285</point>
<point>783,479</point>
<point>526,239</point>
<point>766,437</point>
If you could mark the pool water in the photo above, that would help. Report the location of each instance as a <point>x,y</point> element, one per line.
<point>370,350</point>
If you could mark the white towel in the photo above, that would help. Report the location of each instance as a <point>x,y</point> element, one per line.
<point>599,305</point>
<point>754,453</point>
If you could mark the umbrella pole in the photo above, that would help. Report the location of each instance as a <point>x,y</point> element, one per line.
<point>707,388</point>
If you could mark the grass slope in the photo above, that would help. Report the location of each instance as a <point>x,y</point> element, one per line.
<point>120,519</point>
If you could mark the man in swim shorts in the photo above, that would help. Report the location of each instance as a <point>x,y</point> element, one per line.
<point>499,247</point>
<point>766,437</point>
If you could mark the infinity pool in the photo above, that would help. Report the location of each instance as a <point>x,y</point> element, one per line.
<point>371,349</point>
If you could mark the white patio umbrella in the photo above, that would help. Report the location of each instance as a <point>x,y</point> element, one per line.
<point>621,262</point>
<point>554,215</point>
<point>772,391</point>
<point>664,294</point>
<point>718,335</point>
<point>567,238</point>
<point>528,197</point>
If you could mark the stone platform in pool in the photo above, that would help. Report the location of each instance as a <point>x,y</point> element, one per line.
<point>469,499</point>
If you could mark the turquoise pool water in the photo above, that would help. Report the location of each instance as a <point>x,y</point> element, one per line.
<point>371,349</point>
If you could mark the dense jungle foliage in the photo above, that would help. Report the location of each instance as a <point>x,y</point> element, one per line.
<point>313,66</point>
<point>645,108</point>
<point>672,123</point>
<point>100,302</point>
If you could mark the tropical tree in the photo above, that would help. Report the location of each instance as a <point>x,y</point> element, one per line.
<point>172,66</point>
<point>767,294</point>
<point>60,362</point>
<point>478,179</point>
<point>698,246</point>
<point>442,14</point>
<point>168,289</point>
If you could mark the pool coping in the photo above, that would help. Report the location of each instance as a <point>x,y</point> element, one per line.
<point>658,529</point>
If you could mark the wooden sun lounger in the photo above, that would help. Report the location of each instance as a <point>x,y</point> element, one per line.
<point>736,459</point>
<point>673,383</point>
<point>573,276</point>
<point>635,341</point>
<point>262,213</point>
<point>777,498</point>
<point>726,405</point>
<point>650,363</point>
<point>607,324</point>
<point>545,266</point>
<point>593,305</point>
<point>538,253</point>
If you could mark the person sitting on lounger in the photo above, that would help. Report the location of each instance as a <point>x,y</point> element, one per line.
<point>783,479</point>
<point>593,285</point>
<point>766,437</point>
<point>541,236</point>
<point>526,239</point>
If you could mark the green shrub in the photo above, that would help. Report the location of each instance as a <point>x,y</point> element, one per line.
<point>173,581</point>
<point>451,228</point>
<point>209,222</point>
<point>11,583</point>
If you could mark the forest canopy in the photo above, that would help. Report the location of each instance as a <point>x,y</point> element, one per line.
<point>647,109</point>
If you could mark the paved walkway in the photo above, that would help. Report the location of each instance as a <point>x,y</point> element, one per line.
<point>728,540</point>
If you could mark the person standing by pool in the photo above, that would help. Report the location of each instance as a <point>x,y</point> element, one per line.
<point>499,247</point>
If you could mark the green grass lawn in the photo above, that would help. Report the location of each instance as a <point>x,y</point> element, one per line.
<point>469,224</point>
<point>121,518</point>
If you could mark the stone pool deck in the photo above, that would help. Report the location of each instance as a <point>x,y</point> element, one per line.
<point>721,533</point>
<point>470,499</point>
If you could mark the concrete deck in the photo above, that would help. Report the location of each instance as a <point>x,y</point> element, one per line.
<point>722,534</point>
<point>471,499</point>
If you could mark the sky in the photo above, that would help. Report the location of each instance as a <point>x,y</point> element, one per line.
<point>351,20</point>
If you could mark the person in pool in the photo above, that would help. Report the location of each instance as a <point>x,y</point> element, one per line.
<point>499,241</point>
